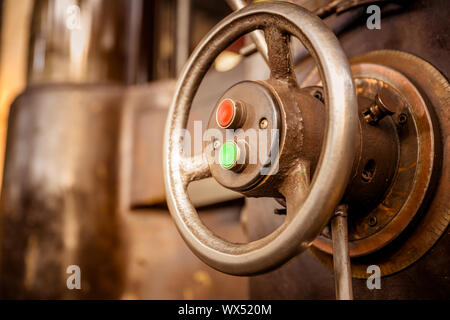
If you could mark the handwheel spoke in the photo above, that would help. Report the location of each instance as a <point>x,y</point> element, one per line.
<point>279,55</point>
<point>195,168</point>
<point>296,188</point>
<point>257,36</point>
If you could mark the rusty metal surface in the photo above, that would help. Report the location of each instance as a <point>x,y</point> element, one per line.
<point>145,112</point>
<point>161,266</point>
<point>400,198</point>
<point>59,202</point>
<point>305,277</point>
<point>62,204</point>
<point>418,29</point>
<point>338,152</point>
<point>426,230</point>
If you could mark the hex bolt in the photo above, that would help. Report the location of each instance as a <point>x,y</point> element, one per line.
<point>264,123</point>
<point>402,118</point>
<point>366,176</point>
<point>216,144</point>
<point>318,95</point>
<point>386,104</point>
<point>368,171</point>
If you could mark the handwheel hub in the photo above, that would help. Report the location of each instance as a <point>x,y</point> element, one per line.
<point>276,124</point>
<point>233,155</point>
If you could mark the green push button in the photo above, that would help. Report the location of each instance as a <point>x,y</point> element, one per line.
<point>228,155</point>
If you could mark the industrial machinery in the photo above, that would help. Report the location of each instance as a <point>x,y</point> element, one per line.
<point>301,147</point>
<point>359,163</point>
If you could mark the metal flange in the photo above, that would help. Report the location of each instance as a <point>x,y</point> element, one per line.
<point>414,212</point>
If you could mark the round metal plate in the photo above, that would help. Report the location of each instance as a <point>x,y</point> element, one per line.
<point>259,103</point>
<point>415,211</point>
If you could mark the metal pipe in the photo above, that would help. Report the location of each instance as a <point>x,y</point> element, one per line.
<point>182,34</point>
<point>256,36</point>
<point>341,258</point>
<point>133,30</point>
<point>67,42</point>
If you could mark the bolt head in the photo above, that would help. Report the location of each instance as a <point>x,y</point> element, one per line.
<point>388,102</point>
<point>373,221</point>
<point>264,123</point>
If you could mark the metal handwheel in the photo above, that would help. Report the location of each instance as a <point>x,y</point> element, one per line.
<point>310,205</point>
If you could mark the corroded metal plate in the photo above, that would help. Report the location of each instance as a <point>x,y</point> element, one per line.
<point>415,211</point>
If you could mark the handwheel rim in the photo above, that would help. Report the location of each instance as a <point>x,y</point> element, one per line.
<point>335,163</point>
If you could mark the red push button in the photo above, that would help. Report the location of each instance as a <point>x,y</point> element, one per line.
<point>226,113</point>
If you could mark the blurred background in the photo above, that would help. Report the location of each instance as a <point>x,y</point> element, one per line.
<point>86,85</point>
